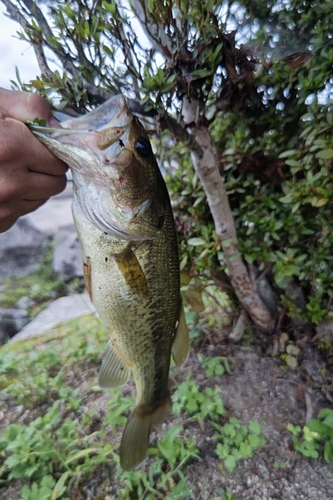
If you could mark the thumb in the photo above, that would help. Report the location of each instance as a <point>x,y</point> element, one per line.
<point>24,106</point>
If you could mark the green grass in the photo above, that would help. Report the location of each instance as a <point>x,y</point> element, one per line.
<point>67,430</point>
<point>41,286</point>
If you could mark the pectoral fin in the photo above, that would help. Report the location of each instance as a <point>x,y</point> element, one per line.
<point>132,271</point>
<point>113,372</point>
<point>181,343</point>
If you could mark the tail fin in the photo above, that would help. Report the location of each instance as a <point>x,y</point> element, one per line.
<point>135,440</point>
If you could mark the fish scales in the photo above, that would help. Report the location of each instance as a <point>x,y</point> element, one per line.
<point>125,224</point>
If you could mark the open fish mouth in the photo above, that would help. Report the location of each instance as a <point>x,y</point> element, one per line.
<point>98,147</point>
<point>83,145</point>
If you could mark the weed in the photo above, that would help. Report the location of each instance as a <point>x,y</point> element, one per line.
<point>118,408</point>
<point>280,465</point>
<point>45,490</point>
<point>56,448</point>
<point>164,478</point>
<point>237,441</point>
<point>215,366</point>
<point>49,445</point>
<point>42,286</point>
<point>316,437</point>
<point>226,495</point>
<point>198,403</point>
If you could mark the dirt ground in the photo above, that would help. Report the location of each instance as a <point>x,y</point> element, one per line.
<point>260,388</point>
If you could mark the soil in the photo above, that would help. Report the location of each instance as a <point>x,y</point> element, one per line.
<point>262,388</point>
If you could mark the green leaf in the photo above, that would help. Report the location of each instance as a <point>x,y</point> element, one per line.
<point>328,420</point>
<point>328,451</point>
<point>320,202</point>
<point>286,199</point>
<point>291,361</point>
<point>235,256</point>
<point>255,427</point>
<point>230,463</point>
<point>228,242</point>
<point>326,154</point>
<point>82,453</point>
<point>195,242</point>
<point>289,152</point>
<point>59,488</point>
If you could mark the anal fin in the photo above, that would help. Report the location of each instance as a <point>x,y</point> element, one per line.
<point>181,342</point>
<point>113,372</point>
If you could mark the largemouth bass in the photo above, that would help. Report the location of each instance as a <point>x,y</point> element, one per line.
<point>125,224</point>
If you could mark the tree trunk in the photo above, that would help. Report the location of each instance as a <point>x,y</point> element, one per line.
<point>207,169</point>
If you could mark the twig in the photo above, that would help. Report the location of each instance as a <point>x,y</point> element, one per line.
<point>309,409</point>
<point>238,330</point>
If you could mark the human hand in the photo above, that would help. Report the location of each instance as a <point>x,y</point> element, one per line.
<point>29,173</point>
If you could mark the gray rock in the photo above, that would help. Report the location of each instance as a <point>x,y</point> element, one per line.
<point>11,322</point>
<point>22,248</point>
<point>325,331</point>
<point>59,311</point>
<point>24,303</point>
<point>67,256</point>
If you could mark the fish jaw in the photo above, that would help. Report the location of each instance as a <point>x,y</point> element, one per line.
<point>115,187</point>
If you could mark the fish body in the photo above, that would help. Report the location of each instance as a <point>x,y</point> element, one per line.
<point>125,224</point>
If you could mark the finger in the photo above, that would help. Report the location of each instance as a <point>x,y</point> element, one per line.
<point>11,212</point>
<point>20,149</point>
<point>6,223</point>
<point>25,106</point>
<point>44,186</point>
<point>32,186</point>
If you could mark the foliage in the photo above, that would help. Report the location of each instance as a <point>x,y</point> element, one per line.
<point>226,496</point>
<point>41,287</point>
<point>316,437</point>
<point>206,403</point>
<point>42,491</point>
<point>237,441</point>
<point>59,438</point>
<point>216,366</point>
<point>164,478</point>
<point>266,104</point>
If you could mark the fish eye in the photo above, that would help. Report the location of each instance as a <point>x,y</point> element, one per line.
<point>143,147</point>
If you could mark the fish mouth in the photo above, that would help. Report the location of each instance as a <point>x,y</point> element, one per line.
<point>83,145</point>
<point>91,148</point>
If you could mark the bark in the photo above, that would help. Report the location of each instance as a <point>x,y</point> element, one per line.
<point>207,169</point>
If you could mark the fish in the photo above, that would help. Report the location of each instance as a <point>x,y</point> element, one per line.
<point>124,219</point>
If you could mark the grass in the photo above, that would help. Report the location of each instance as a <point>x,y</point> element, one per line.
<point>41,287</point>
<point>64,431</point>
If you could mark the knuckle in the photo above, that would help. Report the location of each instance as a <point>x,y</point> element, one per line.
<point>8,147</point>
<point>60,184</point>
<point>38,106</point>
<point>9,192</point>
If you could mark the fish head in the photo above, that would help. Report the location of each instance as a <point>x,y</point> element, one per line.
<point>117,182</point>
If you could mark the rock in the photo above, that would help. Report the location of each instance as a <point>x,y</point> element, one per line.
<point>22,248</point>
<point>325,331</point>
<point>12,321</point>
<point>67,257</point>
<point>24,303</point>
<point>59,311</point>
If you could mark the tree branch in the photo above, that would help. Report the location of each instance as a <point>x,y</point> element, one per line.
<point>100,95</point>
